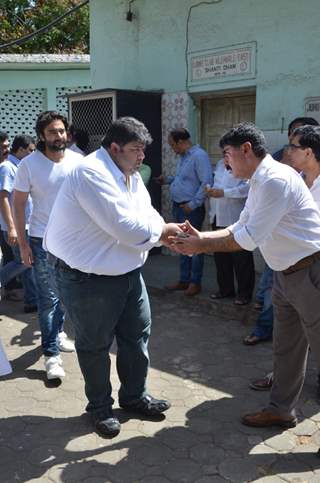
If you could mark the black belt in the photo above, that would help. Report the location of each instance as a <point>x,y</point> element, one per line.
<point>180,203</point>
<point>58,263</point>
<point>303,263</point>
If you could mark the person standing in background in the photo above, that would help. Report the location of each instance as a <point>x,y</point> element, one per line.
<point>227,199</point>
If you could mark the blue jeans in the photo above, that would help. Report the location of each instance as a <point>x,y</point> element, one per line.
<point>16,267</point>
<point>191,268</point>
<point>264,323</point>
<point>102,308</point>
<point>50,313</point>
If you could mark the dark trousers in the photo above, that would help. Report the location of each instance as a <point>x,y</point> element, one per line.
<point>235,264</point>
<point>191,268</point>
<point>7,256</point>
<point>103,308</point>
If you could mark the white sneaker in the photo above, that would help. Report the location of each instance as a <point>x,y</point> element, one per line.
<point>54,369</point>
<point>65,344</point>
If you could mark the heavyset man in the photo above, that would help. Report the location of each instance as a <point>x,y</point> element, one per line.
<point>40,175</point>
<point>99,233</point>
<point>282,219</point>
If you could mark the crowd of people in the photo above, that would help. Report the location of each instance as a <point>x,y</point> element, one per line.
<point>78,228</point>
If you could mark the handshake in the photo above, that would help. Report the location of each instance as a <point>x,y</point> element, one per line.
<point>181,238</point>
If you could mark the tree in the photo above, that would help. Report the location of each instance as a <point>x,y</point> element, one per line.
<point>22,17</point>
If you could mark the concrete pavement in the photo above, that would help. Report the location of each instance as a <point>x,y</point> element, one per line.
<point>198,362</point>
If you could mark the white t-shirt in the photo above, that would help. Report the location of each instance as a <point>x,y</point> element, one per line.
<point>99,225</point>
<point>280,216</point>
<point>42,178</point>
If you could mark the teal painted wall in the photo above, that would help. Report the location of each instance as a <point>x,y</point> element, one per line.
<point>149,52</point>
<point>50,80</point>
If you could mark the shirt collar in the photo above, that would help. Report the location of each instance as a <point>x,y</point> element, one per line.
<point>13,159</point>
<point>117,173</point>
<point>263,166</point>
<point>190,150</point>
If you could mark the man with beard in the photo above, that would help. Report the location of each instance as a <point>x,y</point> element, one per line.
<point>40,175</point>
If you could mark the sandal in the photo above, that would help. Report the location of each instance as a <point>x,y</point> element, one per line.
<point>252,340</point>
<point>241,302</point>
<point>262,384</point>
<point>258,305</point>
<point>219,295</point>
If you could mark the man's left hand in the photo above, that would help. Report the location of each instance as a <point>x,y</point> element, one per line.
<point>190,243</point>
<point>215,193</point>
<point>169,230</point>
<point>186,208</point>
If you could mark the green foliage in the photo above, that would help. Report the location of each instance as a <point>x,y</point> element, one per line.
<point>22,17</point>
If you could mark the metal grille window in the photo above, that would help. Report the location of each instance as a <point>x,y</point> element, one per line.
<point>94,115</point>
<point>61,97</point>
<point>19,110</point>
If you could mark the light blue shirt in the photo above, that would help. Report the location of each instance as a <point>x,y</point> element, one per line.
<point>8,170</point>
<point>194,172</point>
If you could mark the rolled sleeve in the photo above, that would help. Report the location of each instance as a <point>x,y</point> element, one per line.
<point>244,239</point>
<point>6,179</point>
<point>240,191</point>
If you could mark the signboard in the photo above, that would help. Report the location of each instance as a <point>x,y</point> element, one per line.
<point>312,107</point>
<point>223,64</point>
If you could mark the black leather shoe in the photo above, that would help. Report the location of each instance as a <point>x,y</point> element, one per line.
<point>30,308</point>
<point>108,426</point>
<point>147,406</point>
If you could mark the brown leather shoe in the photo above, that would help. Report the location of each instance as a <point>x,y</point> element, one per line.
<point>177,286</point>
<point>266,418</point>
<point>193,289</point>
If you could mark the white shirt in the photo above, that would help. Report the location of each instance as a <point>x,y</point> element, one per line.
<point>76,149</point>
<point>42,178</point>
<point>97,224</point>
<point>280,216</point>
<point>227,209</point>
<point>315,191</point>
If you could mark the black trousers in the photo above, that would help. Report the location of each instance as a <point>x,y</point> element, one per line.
<point>235,265</point>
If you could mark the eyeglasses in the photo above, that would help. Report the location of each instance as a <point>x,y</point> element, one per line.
<point>295,146</point>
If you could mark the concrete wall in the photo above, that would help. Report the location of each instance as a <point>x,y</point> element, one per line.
<point>30,84</point>
<point>149,52</point>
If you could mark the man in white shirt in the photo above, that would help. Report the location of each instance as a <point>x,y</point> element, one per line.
<point>99,233</point>
<point>22,145</point>
<point>40,175</point>
<point>227,199</point>
<point>282,219</point>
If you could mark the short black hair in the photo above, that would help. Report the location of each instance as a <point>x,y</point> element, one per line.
<point>179,134</point>
<point>44,119</point>
<point>80,137</point>
<point>309,137</point>
<point>21,141</point>
<point>3,136</point>
<point>310,121</point>
<point>126,130</point>
<point>245,132</point>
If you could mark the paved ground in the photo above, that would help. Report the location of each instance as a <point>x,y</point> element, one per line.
<point>199,363</point>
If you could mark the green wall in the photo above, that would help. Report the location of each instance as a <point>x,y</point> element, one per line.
<point>149,52</point>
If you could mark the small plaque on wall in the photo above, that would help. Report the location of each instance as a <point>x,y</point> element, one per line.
<point>236,62</point>
<point>312,107</point>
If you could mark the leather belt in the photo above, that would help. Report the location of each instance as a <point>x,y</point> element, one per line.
<point>303,263</point>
